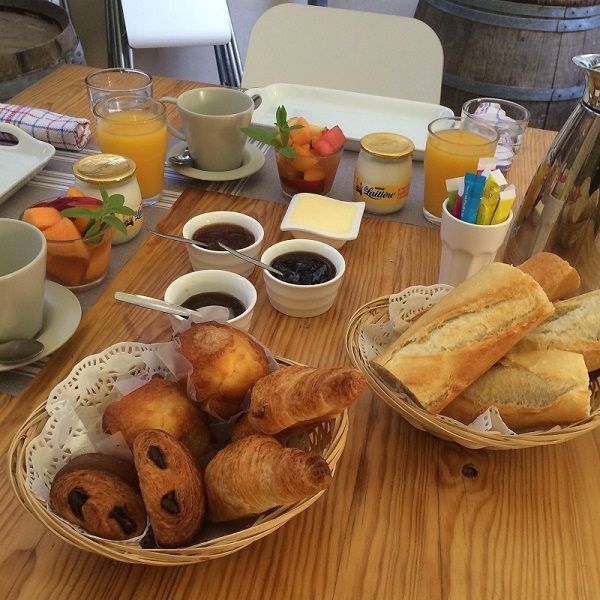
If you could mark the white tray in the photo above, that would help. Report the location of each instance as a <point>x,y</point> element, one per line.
<point>356,114</point>
<point>22,161</point>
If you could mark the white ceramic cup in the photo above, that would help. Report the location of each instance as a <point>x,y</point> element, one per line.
<point>202,258</point>
<point>467,247</point>
<point>212,118</point>
<point>302,300</point>
<point>197,282</point>
<point>22,279</point>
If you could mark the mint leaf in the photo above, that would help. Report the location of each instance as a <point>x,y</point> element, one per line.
<point>279,138</point>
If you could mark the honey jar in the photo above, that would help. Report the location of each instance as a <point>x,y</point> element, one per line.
<point>116,174</point>
<point>383,172</point>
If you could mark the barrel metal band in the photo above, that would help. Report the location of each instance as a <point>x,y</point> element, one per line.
<point>511,92</point>
<point>538,18</point>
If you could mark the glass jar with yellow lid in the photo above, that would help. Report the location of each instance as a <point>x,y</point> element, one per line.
<point>383,172</point>
<point>116,174</point>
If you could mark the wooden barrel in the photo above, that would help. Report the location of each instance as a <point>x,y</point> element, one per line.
<point>36,36</point>
<point>516,51</point>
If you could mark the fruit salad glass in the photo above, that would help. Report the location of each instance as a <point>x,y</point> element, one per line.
<point>307,173</point>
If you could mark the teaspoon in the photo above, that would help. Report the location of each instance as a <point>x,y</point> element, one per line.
<point>184,159</point>
<point>155,304</point>
<point>19,350</point>
<point>249,259</point>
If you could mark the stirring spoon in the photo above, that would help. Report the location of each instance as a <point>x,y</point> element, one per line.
<point>155,304</point>
<point>249,259</point>
<point>19,350</point>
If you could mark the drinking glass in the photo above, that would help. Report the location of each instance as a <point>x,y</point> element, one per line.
<point>117,82</point>
<point>508,118</point>
<point>135,127</point>
<point>453,148</point>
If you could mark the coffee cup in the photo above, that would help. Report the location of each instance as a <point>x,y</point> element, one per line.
<point>212,119</point>
<point>22,279</point>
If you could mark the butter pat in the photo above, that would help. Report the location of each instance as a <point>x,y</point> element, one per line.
<point>315,217</point>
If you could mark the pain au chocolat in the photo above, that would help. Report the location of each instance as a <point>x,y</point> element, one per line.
<point>100,494</point>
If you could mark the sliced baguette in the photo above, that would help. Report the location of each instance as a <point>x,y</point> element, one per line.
<point>556,276</point>
<point>463,335</point>
<point>530,389</point>
<point>575,326</point>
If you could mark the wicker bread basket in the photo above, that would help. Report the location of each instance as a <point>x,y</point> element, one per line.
<point>327,439</point>
<point>376,312</point>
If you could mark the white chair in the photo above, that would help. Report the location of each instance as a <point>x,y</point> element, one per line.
<point>384,55</point>
<point>163,24</point>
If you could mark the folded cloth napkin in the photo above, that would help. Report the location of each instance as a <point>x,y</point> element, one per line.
<point>67,133</point>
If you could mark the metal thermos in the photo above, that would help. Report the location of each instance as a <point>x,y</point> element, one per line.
<point>561,209</point>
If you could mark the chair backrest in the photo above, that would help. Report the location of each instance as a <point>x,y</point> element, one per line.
<point>384,55</point>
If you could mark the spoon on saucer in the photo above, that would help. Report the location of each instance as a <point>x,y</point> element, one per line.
<point>184,159</point>
<point>249,259</point>
<point>19,350</point>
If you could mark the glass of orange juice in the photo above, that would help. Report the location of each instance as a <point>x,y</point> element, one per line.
<point>135,127</point>
<point>454,147</point>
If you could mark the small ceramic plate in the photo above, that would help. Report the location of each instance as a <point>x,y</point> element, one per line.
<point>62,313</point>
<point>20,162</point>
<point>316,217</point>
<point>253,159</point>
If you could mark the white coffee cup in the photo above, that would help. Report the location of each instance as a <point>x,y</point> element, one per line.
<point>212,119</point>
<point>466,247</point>
<point>22,279</point>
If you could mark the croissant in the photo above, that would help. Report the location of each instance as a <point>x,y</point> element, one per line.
<point>226,362</point>
<point>298,394</point>
<point>256,473</point>
<point>172,487</point>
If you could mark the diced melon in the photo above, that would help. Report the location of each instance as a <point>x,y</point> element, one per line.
<point>330,142</point>
<point>315,132</point>
<point>99,259</point>
<point>65,239</point>
<point>82,222</point>
<point>66,270</point>
<point>314,174</point>
<point>299,136</point>
<point>74,192</point>
<point>304,159</point>
<point>42,217</point>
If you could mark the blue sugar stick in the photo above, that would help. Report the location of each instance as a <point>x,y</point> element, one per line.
<point>472,197</point>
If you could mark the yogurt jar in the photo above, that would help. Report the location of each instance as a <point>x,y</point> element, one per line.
<point>383,172</point>
<point>116,174</point>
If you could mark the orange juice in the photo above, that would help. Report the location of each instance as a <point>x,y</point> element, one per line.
<point>450,153</point>
<point>142,136</point>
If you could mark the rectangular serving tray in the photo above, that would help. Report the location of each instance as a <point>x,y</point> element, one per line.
<point>356,114</point>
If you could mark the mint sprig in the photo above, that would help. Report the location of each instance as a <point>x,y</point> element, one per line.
<point>103,216</point>
<point>278,138</point>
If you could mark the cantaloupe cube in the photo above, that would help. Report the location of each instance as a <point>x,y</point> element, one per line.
<point>304,159</point>
<point>82,222</point>
<point>42,217</point>
<point>74,192</point>
<point>99,259</point>
<point>66,270</point>
<point>302,135</point>
<point>65,239</point>
<point>314,174</point>
<point>315,132</point>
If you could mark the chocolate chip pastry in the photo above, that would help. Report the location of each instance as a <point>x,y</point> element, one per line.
<point>100,493</point>
<point>172,487</point>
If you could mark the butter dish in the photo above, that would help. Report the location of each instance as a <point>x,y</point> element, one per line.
<point>315,217</point>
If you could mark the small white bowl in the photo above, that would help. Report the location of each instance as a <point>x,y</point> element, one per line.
<point>201,258</point>
<point>315,217</point>
<point>225,282</point>
<point>302,300</point>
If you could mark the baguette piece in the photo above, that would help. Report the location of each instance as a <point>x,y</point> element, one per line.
<point>462,336</point>
<point>530,389</point>
<point>556,276</point>
<point>575,326</point>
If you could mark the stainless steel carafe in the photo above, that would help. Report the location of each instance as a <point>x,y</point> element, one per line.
<point>561,209</point>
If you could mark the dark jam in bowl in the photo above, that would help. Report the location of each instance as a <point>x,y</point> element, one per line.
<point>231,303</point>
<point>304,268</point>
<point>234,236</point>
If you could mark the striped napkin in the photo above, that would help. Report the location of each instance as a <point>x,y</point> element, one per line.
<point>66,133</point>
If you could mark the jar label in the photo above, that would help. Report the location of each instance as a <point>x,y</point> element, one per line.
<point>380,195</point>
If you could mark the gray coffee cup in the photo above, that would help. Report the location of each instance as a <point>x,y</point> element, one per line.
<point>212,119</point>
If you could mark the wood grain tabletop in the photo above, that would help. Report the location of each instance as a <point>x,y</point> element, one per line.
<point>409,516</point>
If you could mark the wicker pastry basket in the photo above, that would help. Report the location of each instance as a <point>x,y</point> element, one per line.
<point>327,439</point>
<point>376,312</point>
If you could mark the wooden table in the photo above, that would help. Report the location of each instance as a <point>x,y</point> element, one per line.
<point>403,518</point>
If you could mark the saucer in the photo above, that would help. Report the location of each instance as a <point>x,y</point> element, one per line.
<point>62,313</point>
<point>253,160</point>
